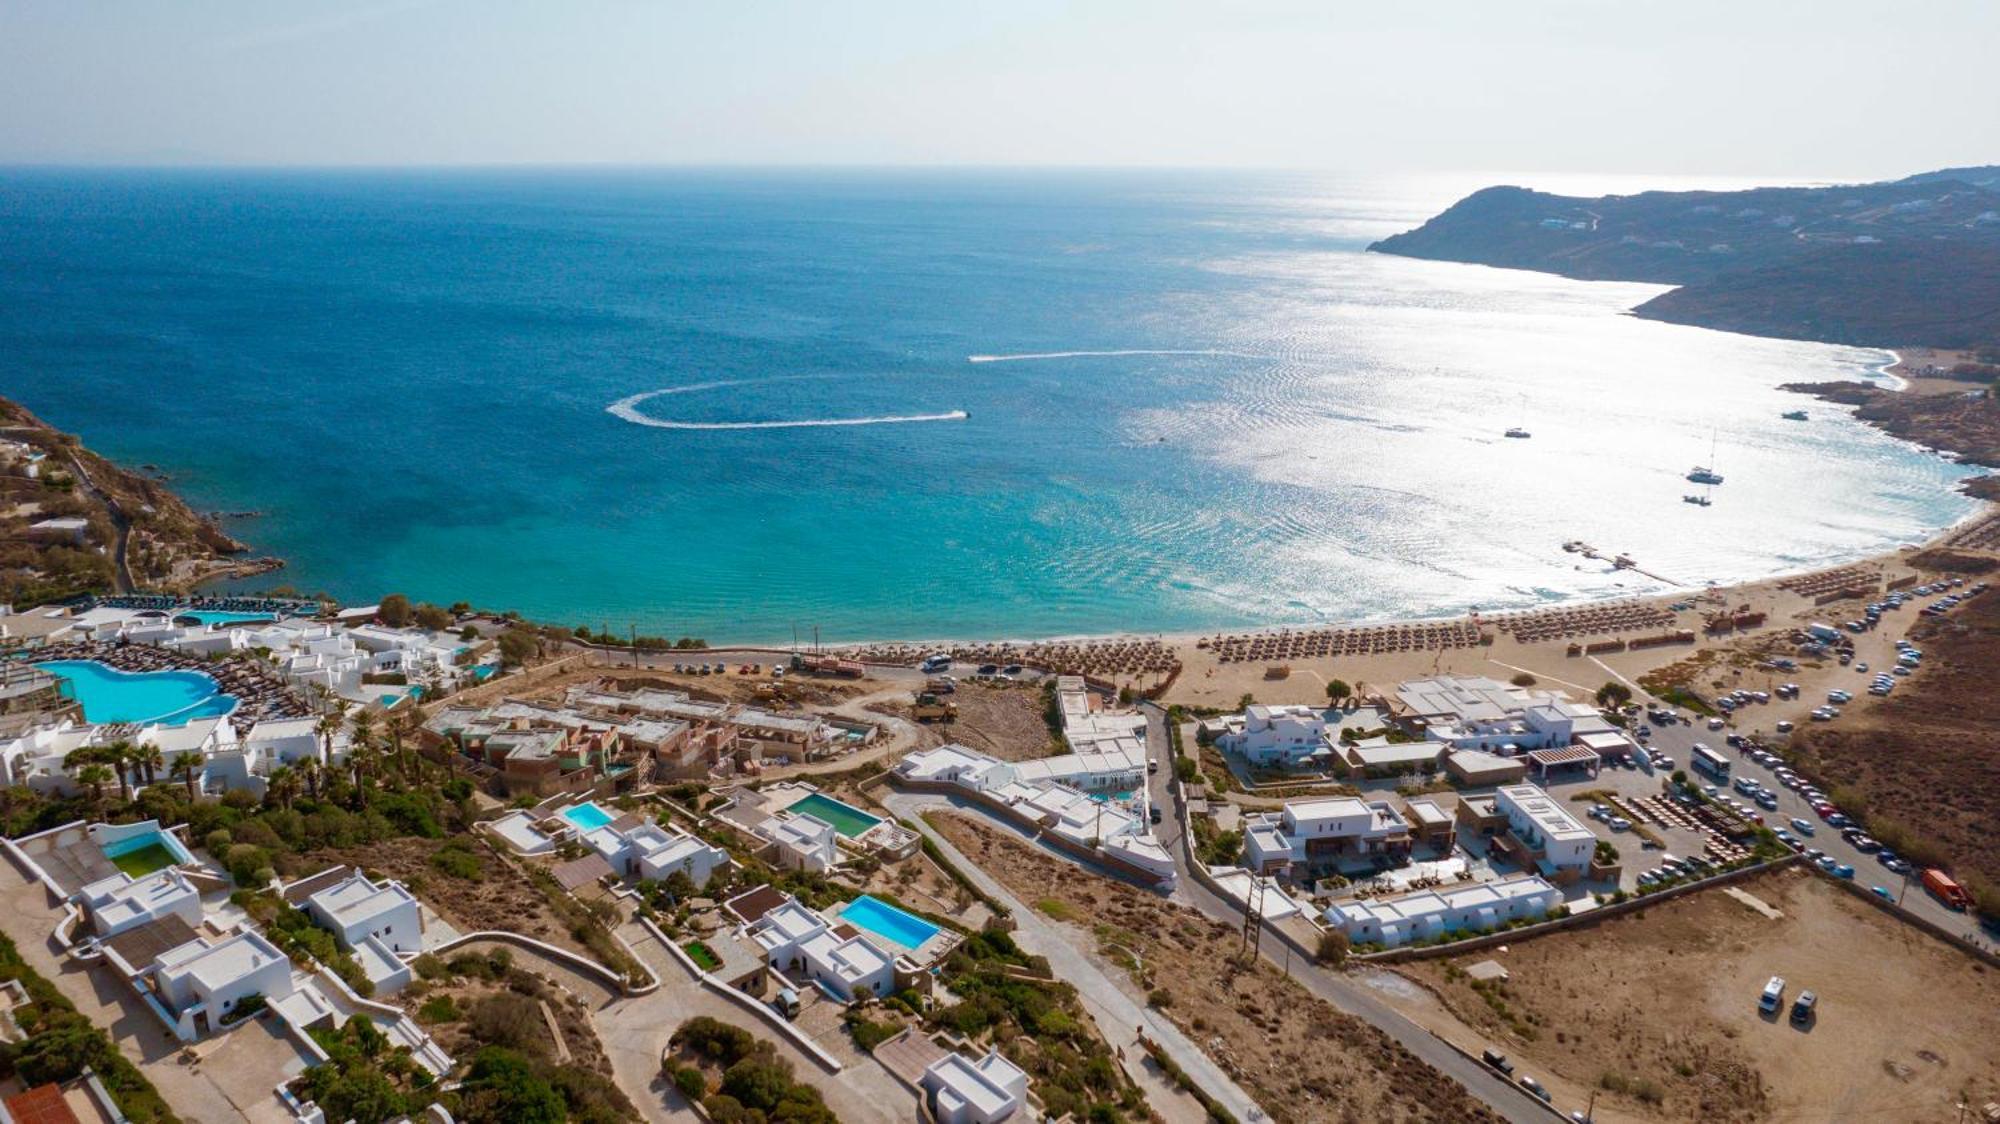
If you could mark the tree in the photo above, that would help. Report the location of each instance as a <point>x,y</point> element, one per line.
<point>151,759</point>
<point>518,646</point>
<point>186,767</point>
<point>1337,691</point>
<point>1333,948</point>
<point>432,617</point>
<point>1613,695</point>
<point>394,611</point>
<point>96,775</point>
<point>503,1087</point>
<point>282,786</point>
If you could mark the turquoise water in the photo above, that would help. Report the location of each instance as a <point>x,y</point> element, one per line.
<point>885,920</point>
<point>587,817</point>
<point>218,616</point>
<point>110,695</point>
<point>845,818</point>
<point>1193,401</point>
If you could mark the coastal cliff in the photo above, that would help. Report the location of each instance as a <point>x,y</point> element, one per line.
<point>73,522</point>
<point>1910,262</point>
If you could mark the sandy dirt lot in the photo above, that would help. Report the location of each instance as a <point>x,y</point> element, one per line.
<point>1301,1059</point>
<point>1663,1006</point>
<point>1006,722</point>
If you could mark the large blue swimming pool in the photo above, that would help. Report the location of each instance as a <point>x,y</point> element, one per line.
<point>885,920</point>
<point>110,695</point>
<point>587,816</point>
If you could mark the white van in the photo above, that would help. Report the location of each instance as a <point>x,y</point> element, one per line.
<point>1773,997</point>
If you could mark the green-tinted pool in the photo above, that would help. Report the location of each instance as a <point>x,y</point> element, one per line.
<point>846,819</point>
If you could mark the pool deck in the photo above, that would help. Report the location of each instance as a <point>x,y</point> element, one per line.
<point>924,955</point>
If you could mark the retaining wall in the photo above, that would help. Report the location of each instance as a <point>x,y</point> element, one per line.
<point>756,1006</point>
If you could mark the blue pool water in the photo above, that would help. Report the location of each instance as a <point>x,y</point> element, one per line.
<point>587,817</point>
<point>110,695</point>
<point>885,920</point>
<point>220,616</point>
<point>1148,390</point>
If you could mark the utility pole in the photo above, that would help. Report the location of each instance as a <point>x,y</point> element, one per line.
<point>1253,917</point>
<point>635,647</point>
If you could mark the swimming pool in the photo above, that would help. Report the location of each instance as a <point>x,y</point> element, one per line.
<point>110,695</point>
<point>142,854</point>
<point>220,616</point>
<point>846,819</point>
<point>587,816</point>
<point>886,921</point>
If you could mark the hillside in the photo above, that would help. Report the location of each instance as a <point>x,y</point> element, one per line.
<point>135,533</point>
<point>1911,262</point>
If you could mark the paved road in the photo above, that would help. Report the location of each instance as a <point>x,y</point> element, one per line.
<point>1118,1015</point>
<point>1346,995</point>
<point>121,572</point>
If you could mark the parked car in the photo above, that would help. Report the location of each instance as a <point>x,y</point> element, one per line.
<point>1535,1087</point>
<point>1882,892</point>
<point>1497,1060</point>
<point>1803,1007</point>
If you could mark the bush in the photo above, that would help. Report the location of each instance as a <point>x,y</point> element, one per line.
<point>438,1009</point>
<point>1334,947</point>
<point>689,1081</point>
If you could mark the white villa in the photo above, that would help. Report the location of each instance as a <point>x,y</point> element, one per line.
<point>1313,837</point>
<point>196,981</point>
<point>959,1090</point>
<point>799,940</point>
<point>637,847</point>
<point>1429,913</point>
<point>1289,736</point>
<point>119,901</point>
<point>803,842</point>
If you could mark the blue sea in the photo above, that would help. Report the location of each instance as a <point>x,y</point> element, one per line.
<point>1075,402</point>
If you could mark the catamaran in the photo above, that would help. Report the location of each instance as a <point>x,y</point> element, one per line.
<point>1701,473</point>
<point>1521,431</point>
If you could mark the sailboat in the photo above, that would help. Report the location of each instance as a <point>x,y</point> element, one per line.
<point>1703,474</point>
<point>1520,431</point>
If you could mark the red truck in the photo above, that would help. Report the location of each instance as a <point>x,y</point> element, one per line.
<point>1947,889</point>
<point>829,665</point>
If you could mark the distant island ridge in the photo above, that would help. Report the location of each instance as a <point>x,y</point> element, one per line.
<point>1911,262</point>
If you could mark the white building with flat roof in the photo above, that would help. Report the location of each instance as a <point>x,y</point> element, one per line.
<point>1285,736</point>
<point>1311,837</point>
<point>637,847</point>
<point>961,1090</point>
<point>802,842</point>
<point>798,940</point>
<point>119,901</point>
<point>358,908</point>
<point>1478,713</point>
<point>1475,906</point>
<point>1558,841</point>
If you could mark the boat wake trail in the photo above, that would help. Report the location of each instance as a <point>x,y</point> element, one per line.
<point>627,409</point>
<point>1098,354</point>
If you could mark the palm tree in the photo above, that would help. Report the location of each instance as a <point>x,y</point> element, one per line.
<point>151,759</point>
<point>282,785</point>
<point>308,770</point>
<point>186,766</point>
<point>95,775</point>
<point>119,756</point>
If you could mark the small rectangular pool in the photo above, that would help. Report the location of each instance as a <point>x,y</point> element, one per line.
<point>587,816</point>
<point>888,922</point>
<point>141,855</point>
<point>846,819</point>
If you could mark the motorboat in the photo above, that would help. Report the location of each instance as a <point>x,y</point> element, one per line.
<point>1794,415</point>
<point>1698,501</point>
<point>1517,431</point>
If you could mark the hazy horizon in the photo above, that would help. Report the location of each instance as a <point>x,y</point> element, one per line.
<point>1847,91</point>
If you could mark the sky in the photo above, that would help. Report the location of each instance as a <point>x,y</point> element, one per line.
<point>1804,90</point>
